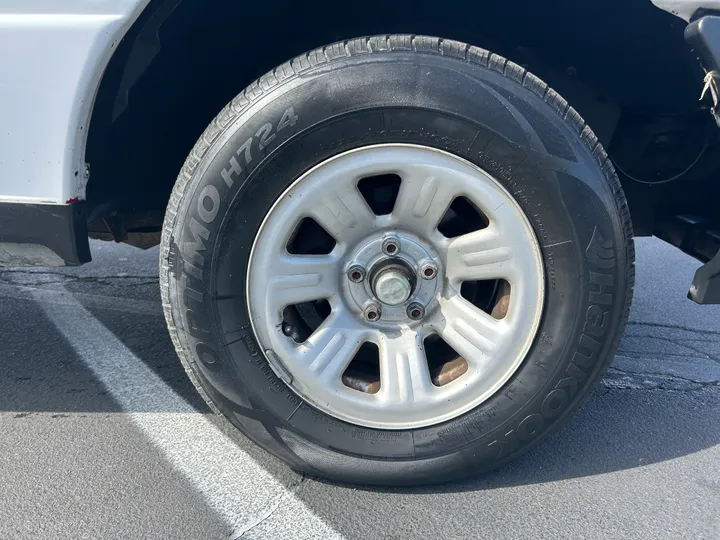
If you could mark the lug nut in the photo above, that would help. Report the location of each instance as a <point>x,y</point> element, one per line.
<point>391,246</point>
<point>372,312</point>
<point>416,311</point>
<point>428,270</point>
<point>356,273</point>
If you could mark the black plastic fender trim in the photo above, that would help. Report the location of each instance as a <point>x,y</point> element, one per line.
<point>43,234</point>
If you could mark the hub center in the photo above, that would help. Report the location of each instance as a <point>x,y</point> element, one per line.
<point>393,284</point>
<point>392,278</point>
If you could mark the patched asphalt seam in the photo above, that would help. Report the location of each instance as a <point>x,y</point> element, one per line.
<point>632,380</point>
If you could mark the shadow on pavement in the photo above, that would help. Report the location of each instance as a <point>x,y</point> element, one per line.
<point>147,338</point>
<point>614,431</point>
<point>617,429</point>
<point>39,370</point>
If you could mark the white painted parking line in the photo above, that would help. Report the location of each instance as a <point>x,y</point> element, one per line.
<point>249,498</point>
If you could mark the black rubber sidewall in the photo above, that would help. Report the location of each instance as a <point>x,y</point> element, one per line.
<point>461,108</point>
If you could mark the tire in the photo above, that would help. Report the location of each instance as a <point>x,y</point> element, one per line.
<point>413,90</point>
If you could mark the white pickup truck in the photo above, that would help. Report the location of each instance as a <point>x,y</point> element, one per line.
<point>391,259</point>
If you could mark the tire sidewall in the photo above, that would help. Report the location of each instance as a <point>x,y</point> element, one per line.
<point>457,107</point>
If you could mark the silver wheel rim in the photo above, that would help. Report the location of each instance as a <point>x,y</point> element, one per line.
<point>492,348</point>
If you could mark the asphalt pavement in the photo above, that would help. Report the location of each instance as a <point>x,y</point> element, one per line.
<point>102,435</point>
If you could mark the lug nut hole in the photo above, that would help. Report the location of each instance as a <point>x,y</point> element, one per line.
<point>415,311</point>
<point>356,273</point>
<point>391,245</point>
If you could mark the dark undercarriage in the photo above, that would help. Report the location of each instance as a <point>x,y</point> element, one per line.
<point>623,64</point>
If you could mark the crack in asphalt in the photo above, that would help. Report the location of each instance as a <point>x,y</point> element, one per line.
<point>673,341</point>
<point>648,380</point>
<point>274,507</point>
<point>682,342</point>
<point>673,327</point>
<point>50,273</point>
<point>65,278</point>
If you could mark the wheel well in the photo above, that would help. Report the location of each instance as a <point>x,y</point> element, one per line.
<point>622,64</point>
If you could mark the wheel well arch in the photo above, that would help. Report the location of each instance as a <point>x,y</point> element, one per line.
<point>181,62</point>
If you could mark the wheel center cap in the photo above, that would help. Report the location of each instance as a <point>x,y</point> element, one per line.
<point>392,287</point>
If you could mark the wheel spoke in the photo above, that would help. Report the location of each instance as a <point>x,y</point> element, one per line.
<point>302,278</point>
<point>404,373</point>
<point>480,255</point>
<point>473,334</point>
<point>331,348</point>
<point>423,199</point>
<point>349,279</point>
<point>344,214</point>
